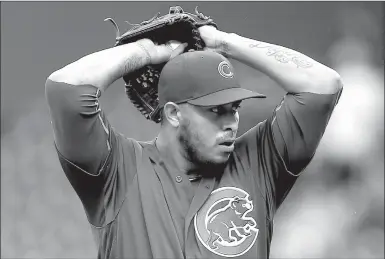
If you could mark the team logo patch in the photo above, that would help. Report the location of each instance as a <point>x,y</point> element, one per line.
<point>225,70</point>
<point>224,224</point>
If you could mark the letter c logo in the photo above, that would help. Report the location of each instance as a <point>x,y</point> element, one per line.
<point>225,70</point>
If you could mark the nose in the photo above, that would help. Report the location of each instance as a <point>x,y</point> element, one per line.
<point>230,122</point>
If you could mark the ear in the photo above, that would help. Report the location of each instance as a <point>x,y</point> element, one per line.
<point>172,114</point>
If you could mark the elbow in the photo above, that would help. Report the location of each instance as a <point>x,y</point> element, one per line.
<point>58,93</point>
<point>336,83</point>
<point>329,82</point>
<point>69,74</point>
<point>51,85</point>
<point>53,76</point>
<point>71,99</point>
<point>52,92</point>
<point>339,82</point>
<point>58,76</point>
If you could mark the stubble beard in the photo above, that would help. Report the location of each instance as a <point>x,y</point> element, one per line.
<point>189,140</point>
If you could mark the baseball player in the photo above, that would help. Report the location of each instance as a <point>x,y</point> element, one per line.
<point>197,190</point>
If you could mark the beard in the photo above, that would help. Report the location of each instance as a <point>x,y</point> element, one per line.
<point>190,140</point>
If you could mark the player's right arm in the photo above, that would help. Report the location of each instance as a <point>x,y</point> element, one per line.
<point>102,68</point>
<point>88,149</point>
<point>80,129</point>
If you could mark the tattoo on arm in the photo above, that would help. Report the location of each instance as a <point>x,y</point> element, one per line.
<point>132,63</point>
<point>225,47</point>
<point>283,55</point>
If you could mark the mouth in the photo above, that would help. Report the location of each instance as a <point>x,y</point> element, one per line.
<point>227,145</point>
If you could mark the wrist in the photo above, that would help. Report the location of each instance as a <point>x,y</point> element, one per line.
<point>144,53</point>
<point>226,42</point>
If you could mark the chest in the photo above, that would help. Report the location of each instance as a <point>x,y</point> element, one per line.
<point>215,218</point>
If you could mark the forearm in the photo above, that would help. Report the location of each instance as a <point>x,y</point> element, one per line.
<point>294,71</point>
<point>102,68</point>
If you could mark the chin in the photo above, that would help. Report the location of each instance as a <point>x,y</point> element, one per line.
<point>220,158</point>
<point>213,159</point>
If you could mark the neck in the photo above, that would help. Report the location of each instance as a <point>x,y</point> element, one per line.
<point>171,150</point>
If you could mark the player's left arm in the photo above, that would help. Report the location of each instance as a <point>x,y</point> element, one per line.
<point>288,140</point>
<point>293,71</point>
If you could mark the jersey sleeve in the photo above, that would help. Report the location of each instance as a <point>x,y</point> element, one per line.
<point>279,148</point>
<point>98,162</point>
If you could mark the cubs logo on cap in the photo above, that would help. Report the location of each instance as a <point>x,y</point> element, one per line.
<point>203,78</point>
<point>224,70</point>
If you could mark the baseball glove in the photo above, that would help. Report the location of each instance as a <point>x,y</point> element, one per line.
<point>142,85</point>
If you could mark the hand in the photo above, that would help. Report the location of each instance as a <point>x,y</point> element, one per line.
<point>158,54</point>
<point>213,38</point>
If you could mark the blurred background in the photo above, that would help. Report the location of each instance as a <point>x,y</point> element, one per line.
<point>335,210</point>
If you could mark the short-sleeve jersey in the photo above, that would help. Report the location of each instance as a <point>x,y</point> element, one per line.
<point>138,206</point>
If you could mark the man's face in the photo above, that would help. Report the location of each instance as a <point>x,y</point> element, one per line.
<point>208,133</point>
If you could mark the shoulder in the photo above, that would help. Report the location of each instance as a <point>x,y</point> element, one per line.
<point>250,136</point>
<point>246,145</point>
<point>131,148</point>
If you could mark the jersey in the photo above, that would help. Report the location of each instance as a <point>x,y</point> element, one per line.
<point>139,206</point>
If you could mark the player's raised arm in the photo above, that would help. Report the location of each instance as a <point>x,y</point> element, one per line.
<point>89,151</point>
<point>81,129</point>
<point>102,68</point>
<point>294,71</point>
<point>296,126</point>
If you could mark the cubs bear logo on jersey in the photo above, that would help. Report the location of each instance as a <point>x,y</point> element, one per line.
<point>224,224</point>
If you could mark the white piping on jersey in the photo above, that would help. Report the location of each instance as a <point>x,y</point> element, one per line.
<point>104,126</point>
<point>106,130</point>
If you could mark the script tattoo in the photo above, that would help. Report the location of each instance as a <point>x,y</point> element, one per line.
<point>132,64</point>
<point>224,47</point>
<point>283,55</point>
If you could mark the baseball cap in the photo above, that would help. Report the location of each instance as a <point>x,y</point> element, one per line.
<point>203,78</point>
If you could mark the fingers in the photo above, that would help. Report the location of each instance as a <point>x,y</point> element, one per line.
<point>173,44</point>
<point>178,50</point>
<point>145,42</point>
